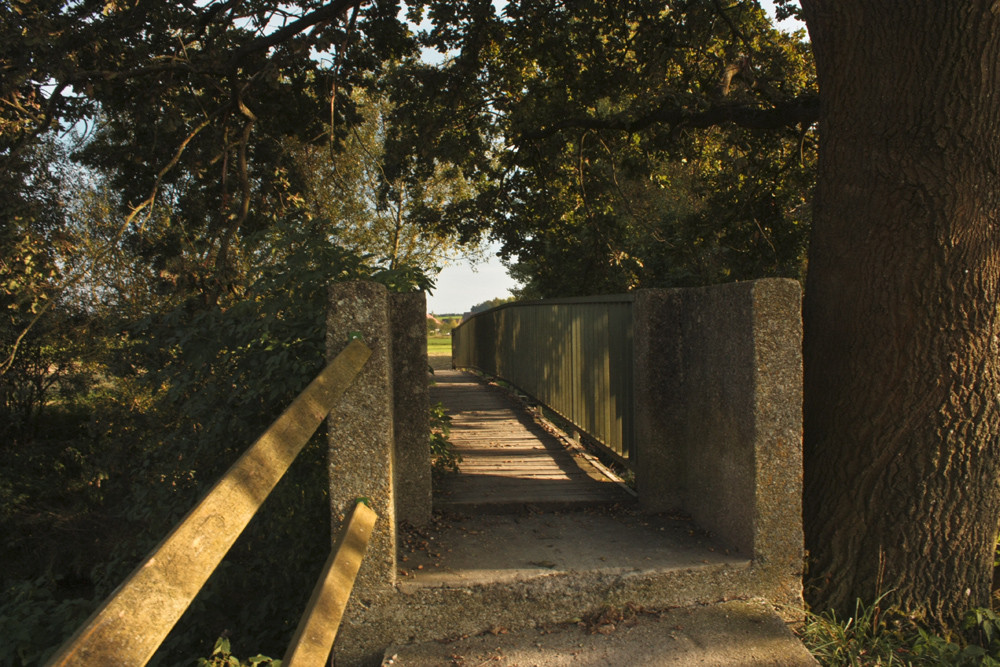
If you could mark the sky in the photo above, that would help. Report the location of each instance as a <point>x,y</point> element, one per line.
<point>461,285</point>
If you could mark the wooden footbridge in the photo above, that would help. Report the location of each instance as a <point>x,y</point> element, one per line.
<point>510,458</point>
<point>700,397</point>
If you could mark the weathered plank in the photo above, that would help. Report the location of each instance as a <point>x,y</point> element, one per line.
<point>313,639</point>
<point>508,459</point>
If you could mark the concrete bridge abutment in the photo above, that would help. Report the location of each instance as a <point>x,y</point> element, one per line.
<point>718,417</point>
<point>717,381</point>
<point>379,446</point>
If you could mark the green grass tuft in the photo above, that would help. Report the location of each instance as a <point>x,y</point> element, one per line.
<point>877,637</point>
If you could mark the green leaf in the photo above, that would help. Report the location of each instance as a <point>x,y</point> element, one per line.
<point>221,646</point>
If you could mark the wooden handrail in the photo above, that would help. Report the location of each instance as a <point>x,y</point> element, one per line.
<point>133,622</point>
<point>313,639</point>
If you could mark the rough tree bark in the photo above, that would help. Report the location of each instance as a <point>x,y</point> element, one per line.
<point>901,352</point>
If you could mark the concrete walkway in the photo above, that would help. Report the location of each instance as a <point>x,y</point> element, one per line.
<point>508,460</point>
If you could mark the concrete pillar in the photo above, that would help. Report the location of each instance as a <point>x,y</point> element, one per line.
<point>361,430</point>
<point>411,407</point>
<point>777,409</point>
<point>718,373</point>
<point>659,456</point>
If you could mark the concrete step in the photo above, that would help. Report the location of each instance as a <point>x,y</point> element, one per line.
<point>465,575</point>
<point>730,634</point>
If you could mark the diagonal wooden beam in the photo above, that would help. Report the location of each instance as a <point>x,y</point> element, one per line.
<point>313,639</point>
<point>131,624</point>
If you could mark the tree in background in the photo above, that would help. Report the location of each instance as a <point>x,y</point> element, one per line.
<point>491,303</point>
<point>365,210</point>
<point>37,244</point>
<point>191,106</point>
<point>623,144</point>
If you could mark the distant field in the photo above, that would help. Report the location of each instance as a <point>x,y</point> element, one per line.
<point>439,345</point>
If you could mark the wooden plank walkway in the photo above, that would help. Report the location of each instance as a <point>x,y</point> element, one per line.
<point>509,460</point>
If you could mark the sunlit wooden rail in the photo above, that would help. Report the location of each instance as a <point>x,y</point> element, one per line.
<point>313,639</point>
<point>132,623</point>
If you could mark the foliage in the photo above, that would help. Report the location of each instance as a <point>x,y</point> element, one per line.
<point>878,636</point>
<point>202,86</point>
<point>186,111</point>
<point>164,284</point>
<point>863,639</point>
<point>442,325</point>
<point>368,213</point>
<point>31,230</point>
<point>36,246</point>
<point>438,327</point>
<point>228,373</point>
<point>491,303</point>
<point>444,458</point>
<point>183,393</point>
<point>222,657</point>
<point>620,145</point>
<point>31,610</point>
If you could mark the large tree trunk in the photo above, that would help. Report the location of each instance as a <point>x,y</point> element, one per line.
<point>901,352</point>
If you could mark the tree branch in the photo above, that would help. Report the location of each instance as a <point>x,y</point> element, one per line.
<point>324,13</point>
<point>800,111</point>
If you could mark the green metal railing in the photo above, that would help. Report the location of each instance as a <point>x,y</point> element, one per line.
<point>572,355</point>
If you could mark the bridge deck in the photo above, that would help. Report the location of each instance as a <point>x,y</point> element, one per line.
<point>509,460</point>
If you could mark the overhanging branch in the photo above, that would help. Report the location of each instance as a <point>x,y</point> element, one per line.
<point>327,12</point>
<point>794,113</point>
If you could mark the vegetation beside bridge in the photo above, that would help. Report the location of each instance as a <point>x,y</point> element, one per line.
<point>165,233</point>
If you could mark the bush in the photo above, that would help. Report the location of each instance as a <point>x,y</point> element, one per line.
<point>172,401</point>
<point>223,657</point>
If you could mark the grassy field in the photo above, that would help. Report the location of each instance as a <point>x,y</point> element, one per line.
<point>439,345</point>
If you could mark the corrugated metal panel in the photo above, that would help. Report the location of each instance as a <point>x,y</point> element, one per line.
<point>572,355</point>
